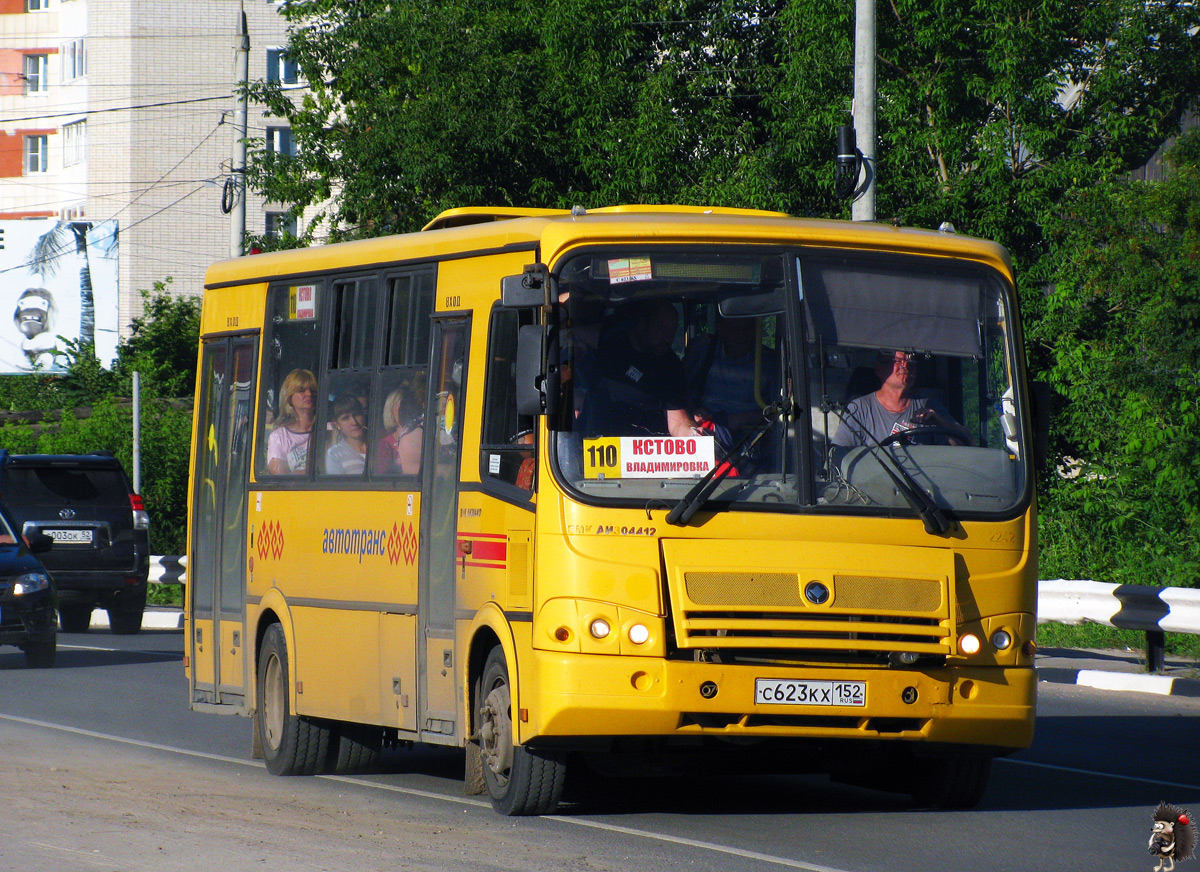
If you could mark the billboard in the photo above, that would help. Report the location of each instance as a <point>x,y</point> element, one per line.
<point>58,283</point>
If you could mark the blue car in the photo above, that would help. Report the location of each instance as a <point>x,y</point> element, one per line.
<point>28,600</point>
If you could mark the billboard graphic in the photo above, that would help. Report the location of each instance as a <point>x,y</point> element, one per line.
<point>58,283</point>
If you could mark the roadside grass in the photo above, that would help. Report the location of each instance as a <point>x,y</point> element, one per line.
<point>164,595</point>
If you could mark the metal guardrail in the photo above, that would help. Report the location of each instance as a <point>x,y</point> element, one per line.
<point>1152,610</point>
<point>168,570</point>
<point>1155,611</point>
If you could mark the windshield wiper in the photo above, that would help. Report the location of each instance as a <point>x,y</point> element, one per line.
<point>699,493</point>
<point>935,519</point>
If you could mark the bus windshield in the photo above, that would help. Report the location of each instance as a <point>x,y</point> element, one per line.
<point>804,381</point>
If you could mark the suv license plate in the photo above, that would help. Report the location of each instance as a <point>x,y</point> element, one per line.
<point>75,537</point>
<point>779,691</point>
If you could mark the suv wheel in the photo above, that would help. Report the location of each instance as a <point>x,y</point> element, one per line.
<point>75,618</point>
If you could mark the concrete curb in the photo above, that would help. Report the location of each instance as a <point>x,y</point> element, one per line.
<point>1119,679</point>
<point>152,619</point>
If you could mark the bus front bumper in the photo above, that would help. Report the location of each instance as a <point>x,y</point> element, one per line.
<point>573,695</point>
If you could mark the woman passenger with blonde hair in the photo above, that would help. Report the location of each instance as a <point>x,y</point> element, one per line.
<point>400,450</point>
<point>287,446</point>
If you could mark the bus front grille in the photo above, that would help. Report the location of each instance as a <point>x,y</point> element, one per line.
<point>769,611</point>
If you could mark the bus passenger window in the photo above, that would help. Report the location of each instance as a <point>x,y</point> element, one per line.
<point>346,434</point>
<point>291,436</point>
<point>288,404</point>
<point>398,450</point>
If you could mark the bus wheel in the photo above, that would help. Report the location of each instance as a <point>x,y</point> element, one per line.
<point>519,780</point>
<point>950,782</point>
<point>356,748</point>
<point>291,744</point>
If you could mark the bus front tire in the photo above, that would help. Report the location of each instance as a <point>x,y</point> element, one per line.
<point>291,744</point>
<point>520,780</point>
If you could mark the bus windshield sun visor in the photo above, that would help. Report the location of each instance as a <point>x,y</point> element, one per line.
<point>940,314</point>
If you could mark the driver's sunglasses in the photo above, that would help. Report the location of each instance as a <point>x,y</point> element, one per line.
<point>906,361</point>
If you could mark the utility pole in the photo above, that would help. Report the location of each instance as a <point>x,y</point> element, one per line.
<point>237,180</point>
<point>863,208</point>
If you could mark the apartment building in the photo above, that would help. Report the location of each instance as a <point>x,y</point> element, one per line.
<point>116,122</point>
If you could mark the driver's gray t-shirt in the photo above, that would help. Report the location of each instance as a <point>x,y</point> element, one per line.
<point>867,413</point>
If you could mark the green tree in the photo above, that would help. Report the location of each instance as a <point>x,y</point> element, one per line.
<point>1122,330</point>
<point>988,110</point>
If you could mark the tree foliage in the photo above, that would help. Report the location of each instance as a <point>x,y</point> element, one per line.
<point>988,110</point>
<point>1122,330</point>
<point>1007,118</point>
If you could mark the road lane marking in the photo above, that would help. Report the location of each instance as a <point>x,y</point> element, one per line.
<point>1075,771</point>
<point>599,825</point>
<point>139,743</point>
<point>457,800</point>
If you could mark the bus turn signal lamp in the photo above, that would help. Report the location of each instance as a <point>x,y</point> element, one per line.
<point>562,634</point>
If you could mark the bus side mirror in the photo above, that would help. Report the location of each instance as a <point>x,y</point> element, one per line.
<point>538,370</point>
<point>1039,395</point>
<point>526,290</point>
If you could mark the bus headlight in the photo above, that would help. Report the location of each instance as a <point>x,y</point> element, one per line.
<point>968,644</point>
<point>30,582</point>
<point>639,634</point>
<point>1001,640</point>
<point>599,628</point>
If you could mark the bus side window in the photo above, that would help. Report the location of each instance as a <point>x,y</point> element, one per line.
<point>397,450</point>
<point>347,391</point>
<point>398,418</point>
<point>508,448</point>
<point>290,391</point>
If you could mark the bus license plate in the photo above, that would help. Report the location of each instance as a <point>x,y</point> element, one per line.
<point>75,537</point>
<point>779,691</point>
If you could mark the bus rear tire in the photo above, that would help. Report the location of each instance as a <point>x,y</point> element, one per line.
<point>951,782</point>
<point>356,748</point>
<point>519,780</point>
<point>291,744</point>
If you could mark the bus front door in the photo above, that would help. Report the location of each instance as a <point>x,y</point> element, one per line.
<point>216,584</point>
<point>438,719</point>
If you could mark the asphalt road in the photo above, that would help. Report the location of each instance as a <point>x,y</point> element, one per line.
<point>105,768</point>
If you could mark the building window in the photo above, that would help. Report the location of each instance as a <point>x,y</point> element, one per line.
<point>74,143</point>
<point>74,59</point>
<point>35,74</point>
<point>37,5</point>
<point>36,154</point>
<point>281,68</point>
<point>280,141</point>
<point>280,224</point>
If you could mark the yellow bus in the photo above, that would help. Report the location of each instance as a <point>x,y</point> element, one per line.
<point>644,487</point>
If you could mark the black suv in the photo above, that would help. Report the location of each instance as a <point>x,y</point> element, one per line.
<point>100,530</point>
<point>27,617</point>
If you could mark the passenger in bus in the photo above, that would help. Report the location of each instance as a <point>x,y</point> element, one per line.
<point>640,386</point>
<point>894,407</point>
<point>287,446</point>
<point>403,419</point>
<point>348,456</point>
<point>720,371</point>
